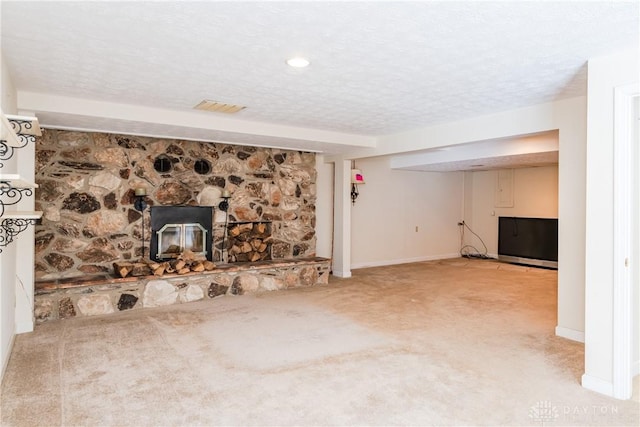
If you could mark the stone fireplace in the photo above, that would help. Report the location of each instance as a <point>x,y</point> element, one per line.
<point>87,185</point>
<point>91,222</point>
<point>175,229</point>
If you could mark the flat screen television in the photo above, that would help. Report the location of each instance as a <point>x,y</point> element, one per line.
<point>531,241</point>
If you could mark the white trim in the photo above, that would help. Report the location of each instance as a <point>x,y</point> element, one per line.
<point>383,263</point>
<point>635,368</point>
<point>6,360</point>
<point>598,385</point>
<point>343,274</point>
<point>179,123</point>
<point>24,327</point>
<point>570,334</point>
<point>622,253</point>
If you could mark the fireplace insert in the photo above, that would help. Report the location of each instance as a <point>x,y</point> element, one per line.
<point>175,229</point>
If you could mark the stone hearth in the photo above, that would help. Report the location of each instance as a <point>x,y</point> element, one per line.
<point>103,294</point>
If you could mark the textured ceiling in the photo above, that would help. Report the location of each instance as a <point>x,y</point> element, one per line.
<point>376,67</point>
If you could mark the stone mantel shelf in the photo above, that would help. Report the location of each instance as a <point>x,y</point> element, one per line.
<point>43,286</point>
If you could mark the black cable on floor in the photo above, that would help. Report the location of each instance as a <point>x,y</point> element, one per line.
<point>466,250</point>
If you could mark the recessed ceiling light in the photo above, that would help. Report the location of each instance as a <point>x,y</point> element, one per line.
<point>298,62</point>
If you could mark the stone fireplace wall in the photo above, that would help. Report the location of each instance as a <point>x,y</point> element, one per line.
<point>87,183</point>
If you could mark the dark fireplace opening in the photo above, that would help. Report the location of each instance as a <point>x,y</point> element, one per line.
<point>175,229</point>
<point>249,241</point>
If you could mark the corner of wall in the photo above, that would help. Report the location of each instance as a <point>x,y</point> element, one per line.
<point>8,255</point>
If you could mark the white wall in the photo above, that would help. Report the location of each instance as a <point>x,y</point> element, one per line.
<point>8,254</point>
<point>605,74</point>
<point>535,194</point>
<point>324,208</point>
<point>341,262</point>
<point>393,203</point>
<point>568,117</point>
<point>25,244</point>
<point>635,262</point>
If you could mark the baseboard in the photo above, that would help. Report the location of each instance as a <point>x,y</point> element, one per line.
<point>343,274</point>
<point>383,263</point>
<point>24,327</point>
<point>5,362</point>
<point>570,334</point>
<point>598,385</point>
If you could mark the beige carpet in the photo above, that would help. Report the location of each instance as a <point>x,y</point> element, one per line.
<point>453,342</point>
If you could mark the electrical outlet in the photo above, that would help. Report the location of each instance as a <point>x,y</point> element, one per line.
<point>461,223</point>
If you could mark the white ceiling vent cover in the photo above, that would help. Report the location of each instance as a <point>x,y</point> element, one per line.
<point>218,107</point>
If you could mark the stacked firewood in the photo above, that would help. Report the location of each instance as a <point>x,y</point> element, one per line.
<point>186,262</point>
<point>250,242</point>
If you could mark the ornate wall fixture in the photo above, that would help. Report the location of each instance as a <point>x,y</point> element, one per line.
<point>17,132</point>
<point>356,178</point>
<point>11,227</point>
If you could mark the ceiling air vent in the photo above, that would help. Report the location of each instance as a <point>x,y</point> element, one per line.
<point>218,107</point>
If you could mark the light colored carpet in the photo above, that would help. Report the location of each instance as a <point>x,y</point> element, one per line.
<point>456,342</point>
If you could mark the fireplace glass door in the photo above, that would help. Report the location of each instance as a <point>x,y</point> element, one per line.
<point>173,239</point>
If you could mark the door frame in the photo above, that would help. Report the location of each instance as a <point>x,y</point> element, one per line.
<point>623,206</point>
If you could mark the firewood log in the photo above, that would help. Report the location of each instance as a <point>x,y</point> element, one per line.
<point>160,270</point>
<point>187,255</point>
<point>123,272</point>
<point>180,265</point>
<point>184,270</point>
<point>208,265</point>
<point>197,267</point>
<point>140,269</point>
<point>122,268</point>
<point>173,249</point>
<point>255,256</point>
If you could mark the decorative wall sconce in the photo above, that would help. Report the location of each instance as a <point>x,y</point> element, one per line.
<point>356,178</point>
<point>140,204</point>
<point>224,204</point>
